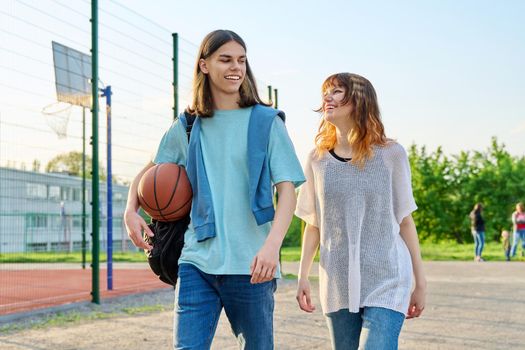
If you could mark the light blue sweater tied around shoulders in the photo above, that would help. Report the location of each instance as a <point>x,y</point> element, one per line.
<point>260,186</point>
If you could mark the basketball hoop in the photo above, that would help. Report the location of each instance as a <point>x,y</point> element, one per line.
<point>57,117</point>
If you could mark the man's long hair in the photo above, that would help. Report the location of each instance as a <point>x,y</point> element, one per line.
<point>202,104</point>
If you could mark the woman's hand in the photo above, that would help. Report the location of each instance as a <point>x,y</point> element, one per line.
<point>417,302</point>
<point>303,295</point>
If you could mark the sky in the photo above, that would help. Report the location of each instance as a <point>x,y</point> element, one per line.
<point>447,73</point>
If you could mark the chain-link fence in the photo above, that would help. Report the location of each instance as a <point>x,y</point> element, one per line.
<point>45,141</point>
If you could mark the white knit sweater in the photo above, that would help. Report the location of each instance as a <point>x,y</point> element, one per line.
<point>364,261</point>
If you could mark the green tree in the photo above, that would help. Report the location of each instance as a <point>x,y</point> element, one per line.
<point>431,175</point>
<point>446,189</point>
<point>499,185</point>
<point>71,163</point>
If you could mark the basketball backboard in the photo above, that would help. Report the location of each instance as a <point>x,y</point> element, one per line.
<point>72,75</point>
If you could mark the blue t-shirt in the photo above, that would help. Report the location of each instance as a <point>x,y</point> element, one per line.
<point>224,145</point>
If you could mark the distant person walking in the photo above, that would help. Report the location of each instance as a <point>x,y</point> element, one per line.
<point>478,230</point>
<point>506,244</point>
<point>518,220</point>
<point>65,223</point>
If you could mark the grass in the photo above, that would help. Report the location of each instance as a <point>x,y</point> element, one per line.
<point>57,319</point>
<point>293,254</point>
<point>451,251</point>
<point>443,251</point>
<point>146,309</point>
<point>64,257</point>
<point>72,317</point>
<point>293,277</point>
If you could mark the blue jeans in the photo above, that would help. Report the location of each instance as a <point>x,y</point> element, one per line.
<point>519,234</point>
<point>479,241</point>
<point>372,328</point>
<point>200,297</point>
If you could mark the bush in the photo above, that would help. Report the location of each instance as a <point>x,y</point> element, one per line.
<point>447,187</point>
<point>293,237</point>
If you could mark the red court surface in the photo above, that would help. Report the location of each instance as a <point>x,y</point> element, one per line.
<point>22,290</point>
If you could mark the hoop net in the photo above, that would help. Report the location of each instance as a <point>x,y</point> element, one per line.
<point>57,117</point>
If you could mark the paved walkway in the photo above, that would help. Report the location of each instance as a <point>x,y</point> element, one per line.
<point>470,306</point>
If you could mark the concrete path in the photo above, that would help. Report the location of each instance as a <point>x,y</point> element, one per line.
<point>470,306</point>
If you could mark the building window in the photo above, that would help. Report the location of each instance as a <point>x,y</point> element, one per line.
<point>65,193</point>
<point>54,193</point>
<point>36,190</point>
<point>77,194</point>
<point>77,222</point>
<point>36,221</point>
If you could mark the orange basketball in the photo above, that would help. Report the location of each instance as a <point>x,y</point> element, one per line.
<point>165,192</point>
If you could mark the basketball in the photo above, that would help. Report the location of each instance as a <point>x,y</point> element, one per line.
<point>165,193</point>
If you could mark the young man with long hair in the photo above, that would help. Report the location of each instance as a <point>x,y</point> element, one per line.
<point>238,151</point>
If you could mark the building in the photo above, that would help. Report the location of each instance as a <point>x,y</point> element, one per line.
<point>43,212</point>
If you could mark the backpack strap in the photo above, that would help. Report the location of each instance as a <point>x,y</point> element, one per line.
<point>188,120</point>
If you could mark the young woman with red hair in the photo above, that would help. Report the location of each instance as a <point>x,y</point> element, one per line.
<point>357,204</point>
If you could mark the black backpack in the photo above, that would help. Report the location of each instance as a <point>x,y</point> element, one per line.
<point>168,240</point>
<point>167,245</point>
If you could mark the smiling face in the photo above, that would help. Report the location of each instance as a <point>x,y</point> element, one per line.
<point>350,108</point>
<point>225,69</point>
<point>336,107</point>
<point>222,78</point>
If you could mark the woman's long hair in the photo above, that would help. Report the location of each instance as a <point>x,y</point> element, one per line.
<point>202,104</point>
<point>368,129</point>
